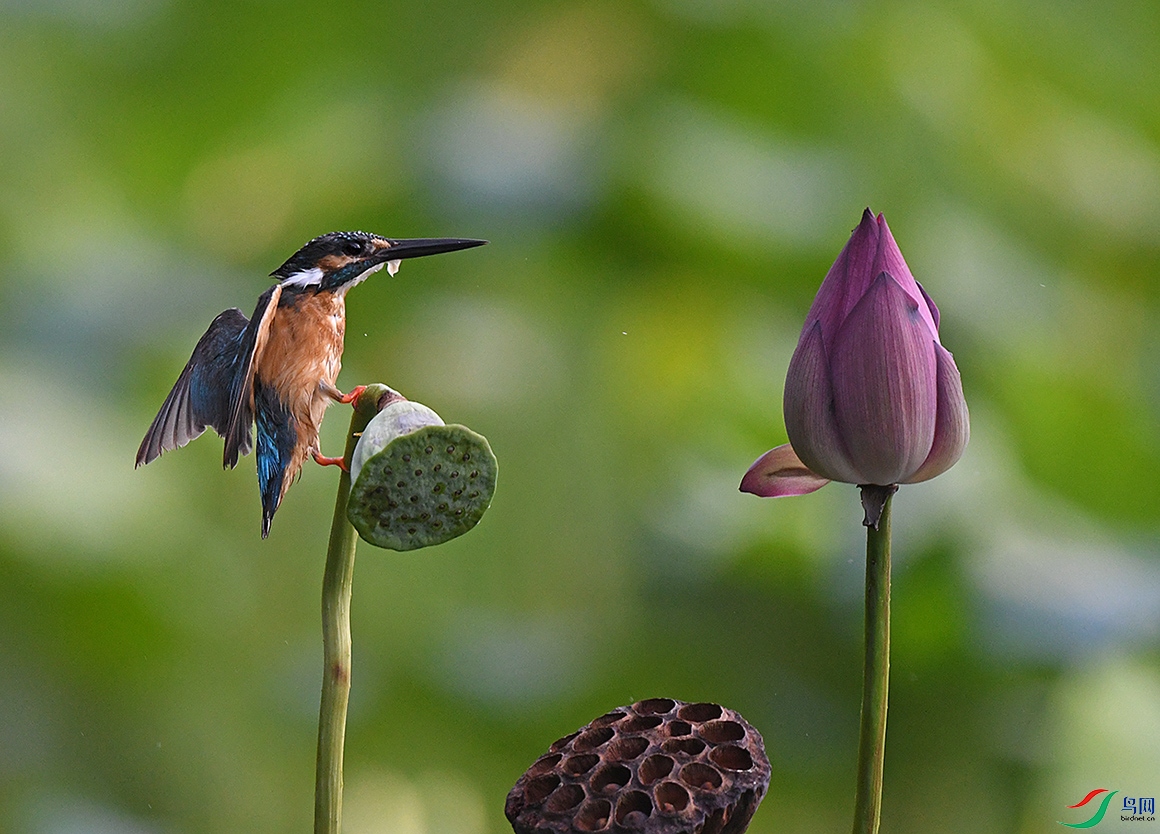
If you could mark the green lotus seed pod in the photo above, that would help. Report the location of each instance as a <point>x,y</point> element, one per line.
<point>417,481</point>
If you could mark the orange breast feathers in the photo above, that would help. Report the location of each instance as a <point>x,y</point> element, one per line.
<point>301,360</point>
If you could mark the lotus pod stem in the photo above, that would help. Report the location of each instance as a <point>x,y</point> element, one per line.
<point>336,642</point>
<point>387,431</point>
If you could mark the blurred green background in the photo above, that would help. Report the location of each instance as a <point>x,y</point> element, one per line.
<point>664,185</point>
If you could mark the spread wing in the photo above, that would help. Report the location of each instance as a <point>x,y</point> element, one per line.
<point>216,387</point>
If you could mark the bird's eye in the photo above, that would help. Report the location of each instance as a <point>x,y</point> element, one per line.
<point>352,248</point>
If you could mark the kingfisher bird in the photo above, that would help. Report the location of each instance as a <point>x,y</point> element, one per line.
<point>278,368</point>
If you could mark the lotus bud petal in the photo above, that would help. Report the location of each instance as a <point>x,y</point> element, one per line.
<point>952,428</point>
<point>810,419</point>
<point>883,370</point>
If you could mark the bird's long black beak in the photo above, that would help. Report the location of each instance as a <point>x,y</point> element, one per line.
<point>420,247</point>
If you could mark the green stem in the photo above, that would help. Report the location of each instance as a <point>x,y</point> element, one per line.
<point>876,664</point>
<point>336,589</point>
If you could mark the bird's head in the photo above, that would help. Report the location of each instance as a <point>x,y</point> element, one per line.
<point>338,260</point>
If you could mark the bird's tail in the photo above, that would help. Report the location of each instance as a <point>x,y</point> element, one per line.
<point>276,441</point>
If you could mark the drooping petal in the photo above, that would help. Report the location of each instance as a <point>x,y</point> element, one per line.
<point>808,407</point>
<point>780,472</point>
<point>889,259</point>
<point>847,281</point>
<point>883,379</point>
<point>952,428</point>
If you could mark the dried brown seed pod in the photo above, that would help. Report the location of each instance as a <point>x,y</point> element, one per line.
<point>657,767</point>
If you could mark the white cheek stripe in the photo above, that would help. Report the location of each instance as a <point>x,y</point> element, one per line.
<point>304,278</point>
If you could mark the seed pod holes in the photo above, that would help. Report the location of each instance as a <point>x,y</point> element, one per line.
<point>657,767</point>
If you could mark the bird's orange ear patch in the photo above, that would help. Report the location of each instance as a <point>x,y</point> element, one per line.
<point>330,263</point>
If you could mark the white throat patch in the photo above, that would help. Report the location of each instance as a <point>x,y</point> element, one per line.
<point>362,276</point>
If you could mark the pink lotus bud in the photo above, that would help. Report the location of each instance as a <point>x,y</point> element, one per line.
<point>871,395</point>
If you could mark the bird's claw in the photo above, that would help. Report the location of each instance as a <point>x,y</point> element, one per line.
<point>323,460</point>
<point>353,395</point>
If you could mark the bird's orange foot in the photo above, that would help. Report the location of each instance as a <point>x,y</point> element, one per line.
<point>323,460</point>
<point>353,395</point>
